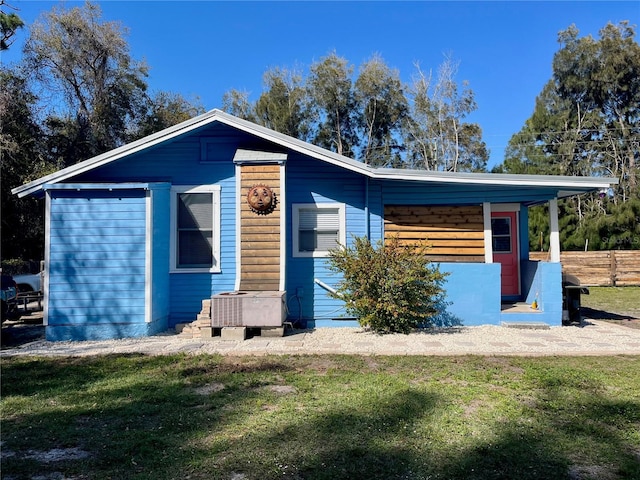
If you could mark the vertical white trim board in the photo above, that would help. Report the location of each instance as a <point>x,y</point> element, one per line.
<point>488,238</point>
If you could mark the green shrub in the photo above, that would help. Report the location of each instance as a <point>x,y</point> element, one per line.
<point>389,287</point>
<point>16,266</point>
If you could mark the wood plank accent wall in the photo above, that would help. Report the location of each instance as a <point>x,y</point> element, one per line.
<point>454,233</point>
<point>605,268</point>
<point>259,234</point>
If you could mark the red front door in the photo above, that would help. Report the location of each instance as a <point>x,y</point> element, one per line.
<point>504,236</point>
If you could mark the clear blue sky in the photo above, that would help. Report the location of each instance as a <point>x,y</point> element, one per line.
<point>205,48</point>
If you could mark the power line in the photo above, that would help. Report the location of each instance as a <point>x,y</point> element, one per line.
<point>552,132</point>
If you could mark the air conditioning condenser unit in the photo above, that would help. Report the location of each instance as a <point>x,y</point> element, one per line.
<point>248,309</point>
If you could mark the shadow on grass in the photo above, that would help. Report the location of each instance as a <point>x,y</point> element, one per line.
<point>390,436</point>
<point>133,414</point>
<point>603,315</point>
<point>393,444</point>
<point>139,417</point>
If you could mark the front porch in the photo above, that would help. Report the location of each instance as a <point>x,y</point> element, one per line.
<point>473,295</point>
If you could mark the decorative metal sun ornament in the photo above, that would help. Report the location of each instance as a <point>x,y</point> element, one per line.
<point>261,199</point>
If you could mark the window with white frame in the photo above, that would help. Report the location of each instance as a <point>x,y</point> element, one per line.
<point>195,228</point>
<point>501,234</point>
<point>317,228</point>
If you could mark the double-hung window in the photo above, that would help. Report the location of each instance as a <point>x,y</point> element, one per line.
<point>195,228</point>
<point>317,228</point>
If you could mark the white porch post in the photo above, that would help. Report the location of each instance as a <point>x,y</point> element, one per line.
<point>488,243</point>
<point>554,240</point>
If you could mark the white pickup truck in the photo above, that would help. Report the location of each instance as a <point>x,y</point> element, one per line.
<point>29,282</point>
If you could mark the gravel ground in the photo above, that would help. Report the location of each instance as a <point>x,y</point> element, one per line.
<point>592,338</point>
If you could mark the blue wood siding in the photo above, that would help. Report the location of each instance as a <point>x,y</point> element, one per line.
<point>96,264</point>
<point>189,289</point>
<point>203,158</point>
<point>309,181</point>
<point>159,261</point>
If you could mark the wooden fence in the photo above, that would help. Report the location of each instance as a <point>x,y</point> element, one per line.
<point>607,268</point>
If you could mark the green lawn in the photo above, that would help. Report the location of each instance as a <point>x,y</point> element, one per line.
<point>621,300</point>
<point>320,417</point>
<point>619,305</point>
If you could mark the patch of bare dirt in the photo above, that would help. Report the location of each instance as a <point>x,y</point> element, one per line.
<point>282,389</point>
<point>629,322</point>
<point>470,409</point>
<point>209,388</point>
<point>317,364</point>
<point>591,472</point>
<point>57,455</point>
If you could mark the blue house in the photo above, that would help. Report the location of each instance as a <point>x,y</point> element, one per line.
<point>137,237</point>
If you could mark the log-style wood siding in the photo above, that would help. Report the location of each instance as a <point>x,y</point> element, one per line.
<point>454,233</point>
<point>259,234</point>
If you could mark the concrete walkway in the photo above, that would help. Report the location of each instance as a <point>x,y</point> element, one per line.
<point>593,338</point>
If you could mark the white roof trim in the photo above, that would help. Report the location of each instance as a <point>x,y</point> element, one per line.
<point>579,184</point>
<point>115,154</point>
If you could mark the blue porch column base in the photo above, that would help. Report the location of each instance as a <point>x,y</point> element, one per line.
<point>472,294</point>
<point>542,282</point>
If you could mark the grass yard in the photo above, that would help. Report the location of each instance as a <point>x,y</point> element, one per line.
<point>620,305</point>
<point>320,417</point>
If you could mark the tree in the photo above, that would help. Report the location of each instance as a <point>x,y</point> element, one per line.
<point>383,108</point>
<point>236,102</point>
<point>373,118</point>
<point>283,105</point>
<point>601,79</point>
<point>437,138</point>
<point>586,121</point>
<point>164,110</point>
<point>76,94</point>
<point>22,159</point>
<point>331,93</point>
<point>97,88</point>
<point>9,25</point>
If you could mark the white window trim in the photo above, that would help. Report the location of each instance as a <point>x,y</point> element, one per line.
<point>510,235</point>
<point>342,231</point>
<point>215,190</point>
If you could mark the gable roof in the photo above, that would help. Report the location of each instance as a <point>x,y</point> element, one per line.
<point>567,185</point>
